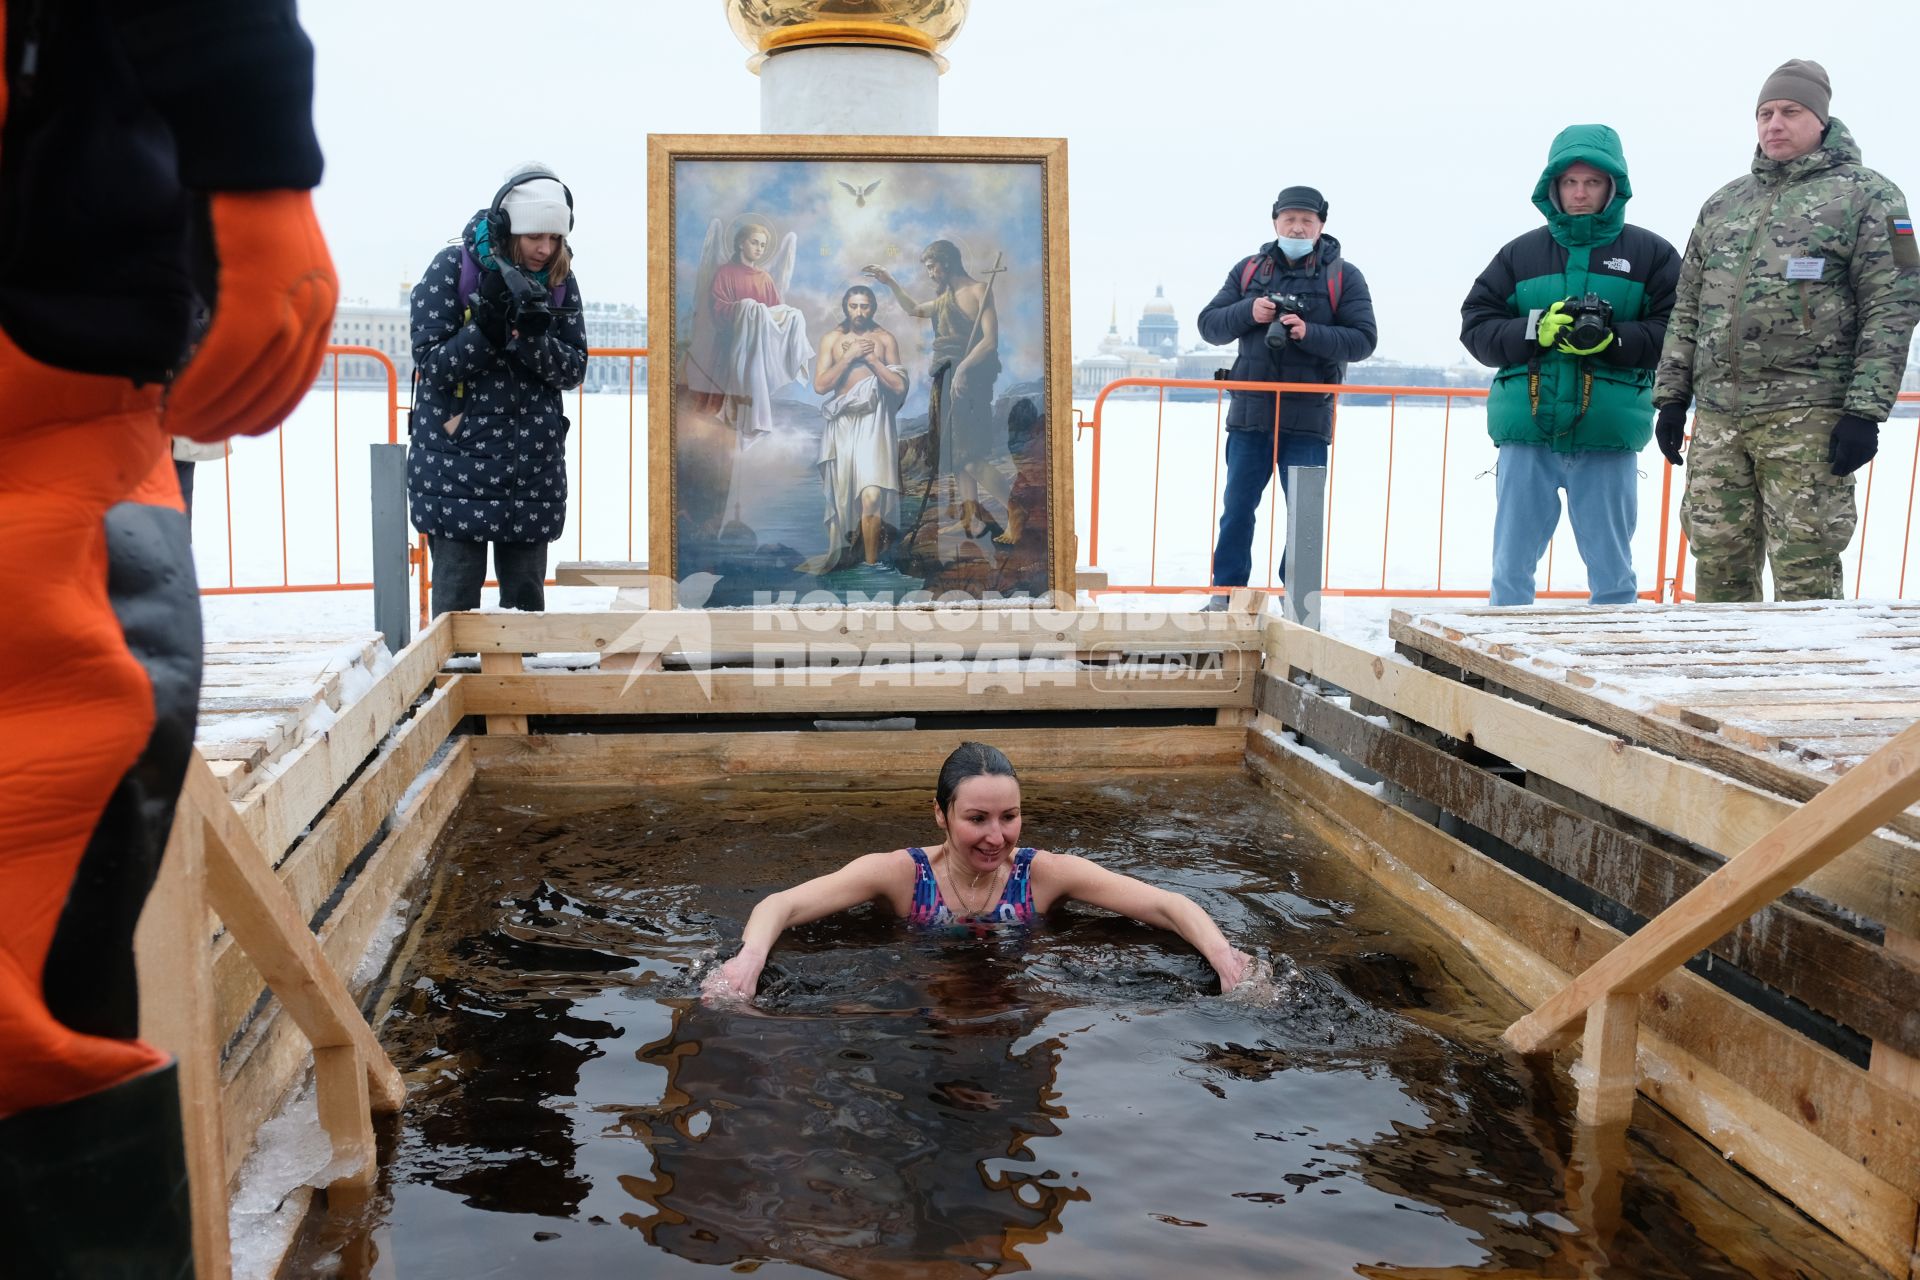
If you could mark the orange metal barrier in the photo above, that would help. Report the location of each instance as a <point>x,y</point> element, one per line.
<point>330,371</point>
<point>1668,584</point>
<point>1859,535</point>
<point>1094,423</point>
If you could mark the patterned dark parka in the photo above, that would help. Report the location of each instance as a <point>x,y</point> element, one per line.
<point>500,475</point>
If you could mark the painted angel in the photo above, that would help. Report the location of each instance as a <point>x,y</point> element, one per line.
<point>747,343</point>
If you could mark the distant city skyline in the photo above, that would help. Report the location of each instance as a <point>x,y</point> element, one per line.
<point>1425,126</point>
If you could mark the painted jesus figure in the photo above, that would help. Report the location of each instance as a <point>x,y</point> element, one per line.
<point>860,373</point>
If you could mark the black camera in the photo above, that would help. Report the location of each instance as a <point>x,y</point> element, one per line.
<point>1284,304</point>
<point>529,309</point>
<point>1592,321</point>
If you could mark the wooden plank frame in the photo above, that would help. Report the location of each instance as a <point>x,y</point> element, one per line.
<point>864,759</point>
<point>1804,841</point>
<point>1799,1118</point>
<point>915,633</point>
<point>213,862</point>
<point>1713,811</point>
<point>1561,687</point>
<point>664,151</point>
<point>1850,978</point>
<point>1834,1138</point>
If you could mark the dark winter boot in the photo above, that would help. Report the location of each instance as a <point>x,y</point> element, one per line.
<point>96,1188</point>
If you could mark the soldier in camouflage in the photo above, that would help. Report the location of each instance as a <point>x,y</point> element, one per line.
<point>1798,292</point>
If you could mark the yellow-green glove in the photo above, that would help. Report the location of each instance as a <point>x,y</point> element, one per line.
<point>1568,348</point>
<point>1552,321</point>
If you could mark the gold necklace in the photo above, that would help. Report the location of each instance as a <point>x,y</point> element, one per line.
<point>953,882</point>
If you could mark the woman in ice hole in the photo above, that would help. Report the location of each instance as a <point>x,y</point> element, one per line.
<point>978,878</point>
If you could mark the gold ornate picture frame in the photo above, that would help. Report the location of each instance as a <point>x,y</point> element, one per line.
<point>861,375</point>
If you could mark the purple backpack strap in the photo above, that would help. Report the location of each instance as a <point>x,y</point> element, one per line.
<point>469,274</point>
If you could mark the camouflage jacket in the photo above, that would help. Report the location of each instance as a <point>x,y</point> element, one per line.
<point>1800,288</point>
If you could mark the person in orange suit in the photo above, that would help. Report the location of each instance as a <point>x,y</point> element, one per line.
<point>161,274</point>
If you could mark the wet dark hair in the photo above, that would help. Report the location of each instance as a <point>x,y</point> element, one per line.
<point>970,760</point>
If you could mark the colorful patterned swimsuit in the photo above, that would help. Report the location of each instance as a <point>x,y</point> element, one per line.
<point>931,910</point>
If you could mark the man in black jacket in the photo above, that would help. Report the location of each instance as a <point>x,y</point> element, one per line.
<point>1300,314</point>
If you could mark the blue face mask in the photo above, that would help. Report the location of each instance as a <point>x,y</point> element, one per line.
<point>1296,249</point>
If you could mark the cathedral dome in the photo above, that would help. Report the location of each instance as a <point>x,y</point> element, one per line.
<point>1158,306</point>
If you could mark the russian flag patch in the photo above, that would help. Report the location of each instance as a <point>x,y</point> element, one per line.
<point>1903,226</point>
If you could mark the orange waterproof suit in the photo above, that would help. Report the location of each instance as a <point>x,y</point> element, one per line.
<point>161,273</point>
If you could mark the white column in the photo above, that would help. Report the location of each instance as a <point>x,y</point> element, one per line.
<point>850,89</point>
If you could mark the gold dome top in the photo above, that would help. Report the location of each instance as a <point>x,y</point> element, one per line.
<point>768,26</point>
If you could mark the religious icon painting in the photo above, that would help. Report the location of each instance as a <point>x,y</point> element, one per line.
<point>860,372</point>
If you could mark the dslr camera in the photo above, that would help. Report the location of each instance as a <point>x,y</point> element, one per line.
<point>1286,304</point>
<point>1592,320</point>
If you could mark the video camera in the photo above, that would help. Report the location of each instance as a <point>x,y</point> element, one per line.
<point>1284,304</point>
<point>528,308</point>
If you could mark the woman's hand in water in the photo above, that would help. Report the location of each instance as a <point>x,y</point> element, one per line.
<point>1233,970</point>
<point>736,980</point>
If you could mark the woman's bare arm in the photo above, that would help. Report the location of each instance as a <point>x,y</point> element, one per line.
<point>1066,875</point>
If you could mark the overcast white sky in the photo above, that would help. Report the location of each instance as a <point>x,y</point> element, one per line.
<point>1424,124</point>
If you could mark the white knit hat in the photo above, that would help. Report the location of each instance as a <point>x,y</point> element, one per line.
<point>536,206</point>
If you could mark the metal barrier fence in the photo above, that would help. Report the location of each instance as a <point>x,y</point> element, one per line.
<point>1432,504</point>
<point>1862,565</point>
<point>1418,424</point>
<point>330,377</point>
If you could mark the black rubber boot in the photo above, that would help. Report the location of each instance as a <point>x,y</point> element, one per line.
<point>96,1188</point>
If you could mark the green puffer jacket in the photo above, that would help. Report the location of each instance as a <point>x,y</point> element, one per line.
<point>1569,403</point>
<point>1799,290</point>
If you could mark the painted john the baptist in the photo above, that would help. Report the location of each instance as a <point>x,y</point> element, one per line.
<point>868,360</point>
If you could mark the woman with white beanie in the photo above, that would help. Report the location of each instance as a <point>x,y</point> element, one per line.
<point>497,337</point>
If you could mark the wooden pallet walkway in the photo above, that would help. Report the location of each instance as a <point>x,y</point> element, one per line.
<point>260,699</point>
<point>1785,696</point>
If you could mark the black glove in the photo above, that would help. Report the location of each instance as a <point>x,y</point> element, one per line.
<point>1669,430</point>
<point>1853,444</point>
<point>534,319</point>
<point>489,306</point>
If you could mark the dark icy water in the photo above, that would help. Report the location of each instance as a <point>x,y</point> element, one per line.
<point>1077,1101</point>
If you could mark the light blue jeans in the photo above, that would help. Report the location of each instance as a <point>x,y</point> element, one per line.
<point>1603,503</point>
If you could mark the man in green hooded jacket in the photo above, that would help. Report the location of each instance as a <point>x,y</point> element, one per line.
<point>1572,314</point>
<point>1798,294</point>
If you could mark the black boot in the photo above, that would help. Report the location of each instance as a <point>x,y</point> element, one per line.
<point>96,1188</point>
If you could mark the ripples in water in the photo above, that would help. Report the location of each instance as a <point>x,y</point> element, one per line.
<point>1073,1100</point>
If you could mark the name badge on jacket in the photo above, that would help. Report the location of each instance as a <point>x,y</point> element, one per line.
<point>1805,268</point>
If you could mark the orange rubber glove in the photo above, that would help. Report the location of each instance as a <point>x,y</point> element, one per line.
<point>271,320</point>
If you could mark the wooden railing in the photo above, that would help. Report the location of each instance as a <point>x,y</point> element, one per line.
<point>232,915</point>
<point>1605,999</point>
<point>1832,1133</point>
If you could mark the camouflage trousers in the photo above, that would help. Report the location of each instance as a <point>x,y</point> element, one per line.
<point>1759,489</point>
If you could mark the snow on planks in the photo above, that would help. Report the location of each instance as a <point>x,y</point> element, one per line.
<point>1811,687</point>
<point>260,699</point>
